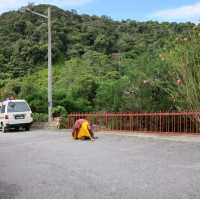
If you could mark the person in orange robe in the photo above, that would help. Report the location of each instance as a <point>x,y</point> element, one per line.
<point>82,130</point>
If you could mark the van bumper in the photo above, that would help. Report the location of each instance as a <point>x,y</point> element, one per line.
<point>10,126</point>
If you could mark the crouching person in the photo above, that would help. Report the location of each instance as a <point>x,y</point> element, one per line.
<point>82,130</point>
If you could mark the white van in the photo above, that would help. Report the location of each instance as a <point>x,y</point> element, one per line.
<point>15,114</point>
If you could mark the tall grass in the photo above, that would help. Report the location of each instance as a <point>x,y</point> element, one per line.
<point>184,72</point>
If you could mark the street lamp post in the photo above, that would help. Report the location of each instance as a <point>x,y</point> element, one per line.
<point>50,102</point>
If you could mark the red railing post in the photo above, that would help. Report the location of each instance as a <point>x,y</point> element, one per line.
<point>174,122</point>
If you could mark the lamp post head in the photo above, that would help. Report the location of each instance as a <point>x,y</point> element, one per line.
<point>27,8</point>
<point>22,9</point>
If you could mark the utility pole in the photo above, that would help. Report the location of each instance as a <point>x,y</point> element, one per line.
<point>50,101</point>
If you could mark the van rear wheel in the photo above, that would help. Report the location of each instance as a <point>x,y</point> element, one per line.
<point>27,128</point>
<point>3,128</point>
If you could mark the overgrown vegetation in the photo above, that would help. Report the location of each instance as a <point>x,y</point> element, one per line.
<point>99,64</point>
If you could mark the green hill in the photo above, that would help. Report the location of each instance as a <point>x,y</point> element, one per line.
<point>99,64</point>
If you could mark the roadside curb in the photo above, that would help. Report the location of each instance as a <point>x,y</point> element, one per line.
<point>177,138</point>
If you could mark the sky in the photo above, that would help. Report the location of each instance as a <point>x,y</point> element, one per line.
<point>140,10</point>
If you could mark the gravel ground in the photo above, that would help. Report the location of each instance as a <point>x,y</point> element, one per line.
<point>47,164</point>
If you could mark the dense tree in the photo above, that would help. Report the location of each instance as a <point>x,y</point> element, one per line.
<point>99,64</point>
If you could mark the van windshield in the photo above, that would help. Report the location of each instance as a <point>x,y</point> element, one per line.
<point>17,107</point>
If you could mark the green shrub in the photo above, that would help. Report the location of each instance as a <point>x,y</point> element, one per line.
<point>59,111</point>
<point>40,117</point>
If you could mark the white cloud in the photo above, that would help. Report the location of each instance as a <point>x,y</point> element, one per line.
<point>6,5</point>
<point>183,13</point>
<point>70,2</point>
<point>65,2</point>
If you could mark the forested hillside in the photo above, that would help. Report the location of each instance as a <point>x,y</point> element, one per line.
<point>99,64</point>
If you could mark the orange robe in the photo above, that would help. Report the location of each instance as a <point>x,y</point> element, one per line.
<point>84,131</point>
<point>81,130</point>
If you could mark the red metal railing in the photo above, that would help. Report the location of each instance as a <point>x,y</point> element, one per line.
<point>179,122</point>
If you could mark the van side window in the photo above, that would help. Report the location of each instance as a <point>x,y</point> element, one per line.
<point>3,108</point>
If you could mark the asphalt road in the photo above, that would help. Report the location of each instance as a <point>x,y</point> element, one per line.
<point>45,164</point>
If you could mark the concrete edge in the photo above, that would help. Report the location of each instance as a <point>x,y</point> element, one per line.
<point>177,138</point>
